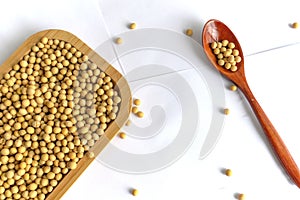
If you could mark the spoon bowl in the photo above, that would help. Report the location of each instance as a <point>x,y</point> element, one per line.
<point>215,31</point>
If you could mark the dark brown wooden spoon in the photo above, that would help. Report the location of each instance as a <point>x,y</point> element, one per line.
<point>215,30</point>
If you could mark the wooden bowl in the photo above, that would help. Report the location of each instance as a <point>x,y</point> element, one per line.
<point>118,80</point>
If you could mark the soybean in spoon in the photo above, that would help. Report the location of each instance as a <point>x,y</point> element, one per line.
<point>213,31</point>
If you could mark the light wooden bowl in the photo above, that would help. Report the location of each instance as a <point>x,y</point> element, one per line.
<point>119,81</point>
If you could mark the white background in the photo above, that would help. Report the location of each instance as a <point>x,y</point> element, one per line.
<point>273,76</point>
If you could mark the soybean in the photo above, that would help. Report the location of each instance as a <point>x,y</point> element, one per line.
<point>134,192</point>
<point>119,40</point>
<point>189,32</point>
<point>226,111</point>
<point>228,172</point>
<point>233,87</point>
<point>122,135</point>
<point>132,26</point>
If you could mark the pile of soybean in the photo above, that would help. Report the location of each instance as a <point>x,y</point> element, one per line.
<point>54,105</point>
<point>226,54</point>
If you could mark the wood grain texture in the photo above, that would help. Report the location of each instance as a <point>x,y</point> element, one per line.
<point>119,81</point>
<point>215,30</point>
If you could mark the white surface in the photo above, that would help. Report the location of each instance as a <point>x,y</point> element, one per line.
<point>259,25</point>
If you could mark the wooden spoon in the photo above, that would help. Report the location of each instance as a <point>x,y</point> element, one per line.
<point>215,30</point>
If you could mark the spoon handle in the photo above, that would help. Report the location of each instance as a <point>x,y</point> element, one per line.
<point>272,135</point>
